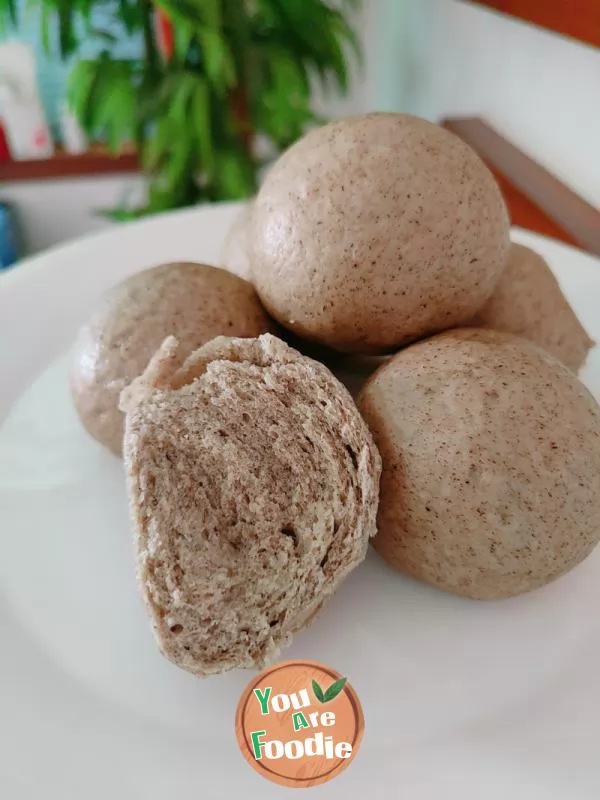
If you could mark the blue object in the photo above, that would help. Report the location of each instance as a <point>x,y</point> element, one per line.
<point>8,237</point>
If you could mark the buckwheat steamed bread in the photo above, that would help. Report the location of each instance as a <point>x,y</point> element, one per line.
<point>253,485</point>
<point>491,463</point>
<point>528,302</point>
<point>194,302</point>
<point>235,254</point>
<point>376,230</point>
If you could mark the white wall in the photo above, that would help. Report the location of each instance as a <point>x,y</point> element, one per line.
<point>541,90</point>
<point>392,33</point>
<point>52,211</point>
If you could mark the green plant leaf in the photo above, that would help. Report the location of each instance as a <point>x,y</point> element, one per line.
<point>118,214</point>
<point>158,200</point>
<point>235,175</point>
<point>80,88</point>
<point>313,33</point>
<point>156,145</point>
<point>201,123</point>
<point>183,86</point>
<point>86,8</point>
<point>8,15</point>
<point>100,88</point>
<point>130,15</point>
<point>155,95</point>
<point>335,688</point>
<point>45,26</point>
<point>212,13</point>
<point>177,162</point>
<point>103,97</point>
<point>184,33</point>
<point>218,60</point>
<point>174,172</point>
<point>119,115</point>
<point>318,692</point>
<point>289,76</point>
<point>66,31</point>
<point>164,195</point>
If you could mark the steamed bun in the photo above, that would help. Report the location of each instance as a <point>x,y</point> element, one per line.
<point>235,255</point>
<point>194,302</point>
<point>376,230</point>
<point>528,302</point>
<point>253,484</point>
<point>491,463</point>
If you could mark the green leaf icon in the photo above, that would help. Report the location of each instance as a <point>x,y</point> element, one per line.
<point>334,690</point>
<point>318,692</point>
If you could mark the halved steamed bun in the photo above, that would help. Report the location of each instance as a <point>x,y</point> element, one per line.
<point>253,485</point>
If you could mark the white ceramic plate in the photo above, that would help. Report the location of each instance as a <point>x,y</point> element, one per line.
<point>477,701</point>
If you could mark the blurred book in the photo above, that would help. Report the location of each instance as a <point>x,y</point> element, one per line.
<point>23,117</point>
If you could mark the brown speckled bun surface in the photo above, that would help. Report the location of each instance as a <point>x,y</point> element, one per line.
<point>376,230</point>
<point>528,302</point>
<point>194,302</point>
<point>235,255</point>
<point>491,463</point>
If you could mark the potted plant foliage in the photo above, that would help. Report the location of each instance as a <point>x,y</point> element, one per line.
<point>212,76</point>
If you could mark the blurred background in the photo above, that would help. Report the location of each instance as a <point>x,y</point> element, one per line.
<point>112,109</point>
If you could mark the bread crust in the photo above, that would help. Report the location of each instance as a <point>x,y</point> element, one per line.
<point>194,302</point>
<point>529,302</point>
<point>376,230</point>
<point>235,255</point>
<point>491,463</point>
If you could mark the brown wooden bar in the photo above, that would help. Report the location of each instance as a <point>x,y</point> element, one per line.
<point>536,199</point>
<point>577,19</point>
<point>97,161</point>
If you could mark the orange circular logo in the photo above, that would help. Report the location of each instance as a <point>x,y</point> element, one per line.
<point>299,723</point>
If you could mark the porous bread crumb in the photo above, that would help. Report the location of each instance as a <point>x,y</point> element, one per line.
<point>253,485</point>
